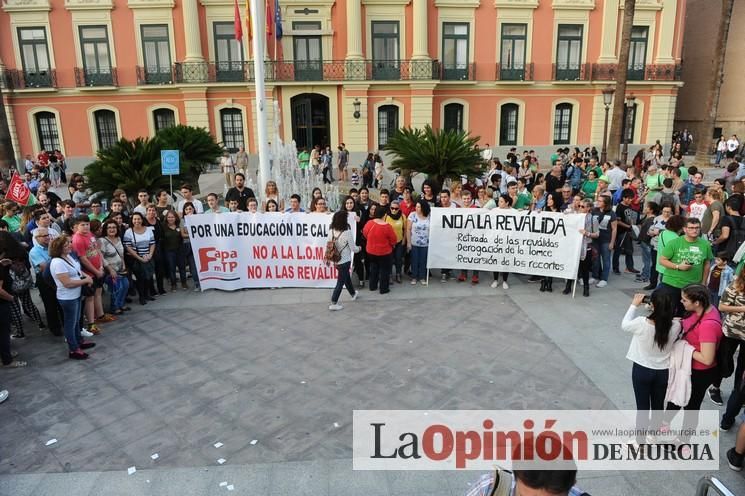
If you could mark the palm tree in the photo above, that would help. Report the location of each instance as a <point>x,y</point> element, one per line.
<point>129,165</point>
<point>197,148</point>
<point>7,155</point>
<point>439,154</point>
<point>617,124</point>
<point>706,129</point>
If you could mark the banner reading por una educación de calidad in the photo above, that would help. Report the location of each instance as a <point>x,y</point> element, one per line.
<point>262,250</point>
<point>505,240</point>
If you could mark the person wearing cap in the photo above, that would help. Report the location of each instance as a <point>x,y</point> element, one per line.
<point>602,189</point>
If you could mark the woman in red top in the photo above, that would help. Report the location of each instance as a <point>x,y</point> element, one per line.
<point>381,238</point>
<point>702,328</point>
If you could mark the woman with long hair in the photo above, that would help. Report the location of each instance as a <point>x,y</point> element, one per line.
<point>429,193</point>
<point>160,266</point>
<point>553,204</point>
<point>314,196</point>
<point>732,306</point>
<point>140,244</point>
<point>69,280</point>
<point>271,206</point>
<point>112,250</point>
<point>188,254</point>
<point>418,241</point>
<point>702,329</point>
<point>272,193</point>
<point>341,235</point>
<point>172,250</point>
<point>651,344</point>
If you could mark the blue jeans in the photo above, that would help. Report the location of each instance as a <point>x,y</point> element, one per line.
<point>175,259</point>
<point>71,318</point>
<point>419,262</point>
<point>398,257</point>
<point>604,257</point>
<point>192,264</point>
<point>720,155</point>
<point>118,290</point>
<point>646,260</point>
<point>343,278</point>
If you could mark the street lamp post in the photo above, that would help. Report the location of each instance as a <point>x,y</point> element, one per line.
<point>607,100</point>
<point>629,106</point>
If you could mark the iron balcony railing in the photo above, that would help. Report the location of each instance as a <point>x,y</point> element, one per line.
<point>571,72</point>
<point>155,75</point>
<point>515,72</point>
<point>17,79</point>
<point>95,77</point>
<point>458,72</point>
<point>640,72</point>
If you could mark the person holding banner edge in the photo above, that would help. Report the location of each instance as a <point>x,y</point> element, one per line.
<point>341,234</point>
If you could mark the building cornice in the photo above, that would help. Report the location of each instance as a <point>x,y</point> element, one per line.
<point>22,6</point>
<point>89,4</point>
<point>573,4</point>
<point>474,4</point>
<point>151,4</point>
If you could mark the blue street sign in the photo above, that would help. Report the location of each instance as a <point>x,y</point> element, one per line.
<point>169,162</point>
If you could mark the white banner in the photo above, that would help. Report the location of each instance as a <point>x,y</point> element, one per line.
<point>263,250</point>
<point>501,240</point>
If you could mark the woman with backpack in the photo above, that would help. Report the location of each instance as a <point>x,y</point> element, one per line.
<point>339,249</point>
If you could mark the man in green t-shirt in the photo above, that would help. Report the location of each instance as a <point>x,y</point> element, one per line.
<point>686,259</point>
<point>303,158</point>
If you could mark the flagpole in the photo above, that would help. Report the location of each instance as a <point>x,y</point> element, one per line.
<point>258,26</point>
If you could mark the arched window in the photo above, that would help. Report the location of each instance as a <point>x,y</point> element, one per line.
<point>563,124</point>
<point>163,118</point>
<point>46,130</point>
<point>106,132</point>
<point>387,123</point>
<point>231,122</point>
<point>508,124</point>
<point>453,119</point>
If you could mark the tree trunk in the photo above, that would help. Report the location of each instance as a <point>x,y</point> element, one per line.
<point>7,156</point>
<point>706,128</point>
<point>615,137</point>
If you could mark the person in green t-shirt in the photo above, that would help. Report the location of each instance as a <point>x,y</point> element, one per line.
<point>686,259</point>
<point>96,213</point>
<point>303,159</point>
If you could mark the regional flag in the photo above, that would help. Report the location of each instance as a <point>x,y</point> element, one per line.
<point>268,14</point>
<point>238,23</point>
<point>277,20</point>
<point>18,192</point>
<point>248,19</point>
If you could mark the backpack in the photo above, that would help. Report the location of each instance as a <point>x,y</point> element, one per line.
<point>667,198</point>
<point>332,254</point>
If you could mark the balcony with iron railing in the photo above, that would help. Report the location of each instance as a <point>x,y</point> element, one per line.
<point>155,75</point>
<point>514,72</point>
<point>458,72</point>
<point>639,72</point>
<point>92,78</point>
<point>17,79</point>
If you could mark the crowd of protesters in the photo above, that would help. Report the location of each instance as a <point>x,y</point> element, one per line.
<point>686,230</point>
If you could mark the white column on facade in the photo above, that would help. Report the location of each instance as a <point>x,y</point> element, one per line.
<point>420,51</point>
<point>354,30</point>
<point>192,32</point>
<point>610,33</point>
<point>666,33</point>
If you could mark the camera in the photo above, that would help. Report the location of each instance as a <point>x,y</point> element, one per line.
<point>647,300</point>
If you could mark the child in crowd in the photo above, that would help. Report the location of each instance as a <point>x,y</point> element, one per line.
<point>355,178</point>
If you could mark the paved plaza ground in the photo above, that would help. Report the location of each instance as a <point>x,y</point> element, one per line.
<point>275,366</point>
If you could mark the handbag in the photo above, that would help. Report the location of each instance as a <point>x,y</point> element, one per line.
<point>86,289</point>
<point>332,255</point>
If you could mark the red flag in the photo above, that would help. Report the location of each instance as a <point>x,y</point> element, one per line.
<point>238,23</point>
<point>268,12</point>
<point>18,191</point>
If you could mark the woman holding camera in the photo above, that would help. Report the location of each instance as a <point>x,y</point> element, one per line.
<point>651,343</point>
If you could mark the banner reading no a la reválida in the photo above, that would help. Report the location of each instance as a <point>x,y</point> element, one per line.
<point>262,250</point>
<point>505,240</point>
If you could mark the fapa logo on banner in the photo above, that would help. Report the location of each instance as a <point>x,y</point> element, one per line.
<point>217,264</point>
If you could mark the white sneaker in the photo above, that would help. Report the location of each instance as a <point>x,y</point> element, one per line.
<point>4,395</point>
<point>593,281</point>
<point>335,306</point>
<point>423,282</point>
<point>505,285</point>
<point>86,334</point>
<point>601,284</point>
<point>413,282</point>
<point>494,285</point>
<point>355,296</point>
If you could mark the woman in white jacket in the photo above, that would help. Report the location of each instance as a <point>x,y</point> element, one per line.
<point>651,344</point>
<point>341,235</point>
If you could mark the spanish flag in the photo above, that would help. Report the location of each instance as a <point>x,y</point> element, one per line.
<point>248,18</point>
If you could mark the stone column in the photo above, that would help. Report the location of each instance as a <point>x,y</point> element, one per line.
<point>354,30</point>
<point>420,51</point>
<point>666,33</point>
<point>610,32</point>
<point>194,68</point>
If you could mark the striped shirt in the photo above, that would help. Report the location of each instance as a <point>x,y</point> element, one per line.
<point>140,243</point>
